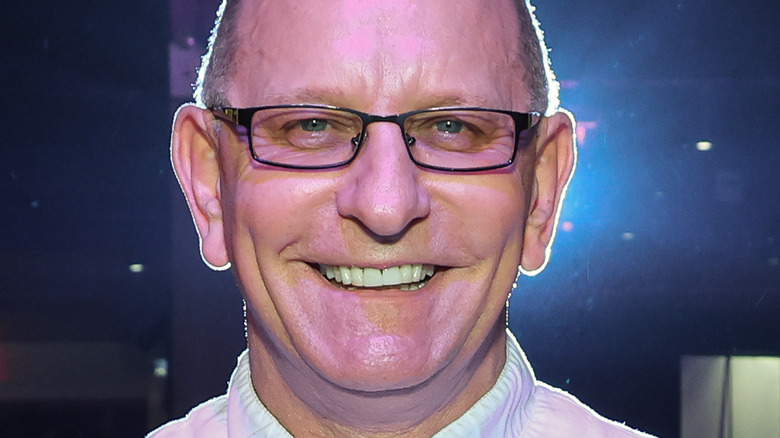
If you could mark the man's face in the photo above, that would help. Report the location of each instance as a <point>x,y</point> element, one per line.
<point>282,228</point>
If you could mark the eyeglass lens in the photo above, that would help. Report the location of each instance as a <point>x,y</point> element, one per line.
<point>452,138</point>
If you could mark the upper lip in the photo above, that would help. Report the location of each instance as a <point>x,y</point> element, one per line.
<point>375,261</point>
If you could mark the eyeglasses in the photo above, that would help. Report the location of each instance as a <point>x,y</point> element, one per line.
<point>324,137</point>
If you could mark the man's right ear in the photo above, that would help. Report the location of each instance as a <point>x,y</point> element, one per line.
<point>195,158</point>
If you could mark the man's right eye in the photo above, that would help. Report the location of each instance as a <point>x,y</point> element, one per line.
<point>450,126</point>
<point>313,125</point>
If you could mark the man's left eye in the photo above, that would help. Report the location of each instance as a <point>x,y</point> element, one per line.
<point>450,126</point>
<point>314,125</point>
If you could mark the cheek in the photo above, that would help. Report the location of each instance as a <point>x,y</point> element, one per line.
<point>486,220</point>
<point>270,218</point>
<point>488,215</point>
<point>278,212</point>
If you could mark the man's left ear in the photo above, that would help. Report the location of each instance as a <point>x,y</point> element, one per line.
<point>556,155</point>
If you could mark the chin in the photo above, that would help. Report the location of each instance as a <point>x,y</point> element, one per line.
<point>377,363</point>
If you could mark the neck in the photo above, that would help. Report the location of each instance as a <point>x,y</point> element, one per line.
<point>313,406</point>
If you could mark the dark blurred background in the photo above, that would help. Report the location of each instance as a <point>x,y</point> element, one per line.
<point>110,324</point>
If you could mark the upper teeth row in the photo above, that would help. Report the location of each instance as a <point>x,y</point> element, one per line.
<point>370,277</point>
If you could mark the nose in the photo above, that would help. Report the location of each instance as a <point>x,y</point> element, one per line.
<point>383,190</point>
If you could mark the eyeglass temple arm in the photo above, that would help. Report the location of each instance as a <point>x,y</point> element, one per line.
<point>228,114</point>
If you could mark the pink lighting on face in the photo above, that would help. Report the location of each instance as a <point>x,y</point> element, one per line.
<point>357,45</point>
<point>372,32</point>
<point>364,45</point>
<point>409,47</point>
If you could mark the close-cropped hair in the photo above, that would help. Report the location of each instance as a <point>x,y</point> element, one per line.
<point>218,63</point>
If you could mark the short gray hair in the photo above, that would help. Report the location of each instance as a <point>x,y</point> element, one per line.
<point>218,63</point>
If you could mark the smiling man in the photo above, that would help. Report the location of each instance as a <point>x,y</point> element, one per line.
<point>374,172</point>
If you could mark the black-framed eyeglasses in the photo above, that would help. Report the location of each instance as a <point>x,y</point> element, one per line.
<point>323,137</point>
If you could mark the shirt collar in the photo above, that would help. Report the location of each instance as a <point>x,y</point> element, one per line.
<point>506,408</point>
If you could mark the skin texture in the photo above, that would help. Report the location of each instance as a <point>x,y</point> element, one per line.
<point>331,362</point>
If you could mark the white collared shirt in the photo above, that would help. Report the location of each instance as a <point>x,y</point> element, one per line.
<point>518,406</point>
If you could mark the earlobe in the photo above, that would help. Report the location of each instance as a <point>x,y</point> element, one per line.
<point>196,164</point>
<point>555,161</point>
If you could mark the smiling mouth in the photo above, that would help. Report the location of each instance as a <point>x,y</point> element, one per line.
<point>405,277</point>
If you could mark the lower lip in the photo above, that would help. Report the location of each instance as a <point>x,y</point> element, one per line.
<point>397,287</point>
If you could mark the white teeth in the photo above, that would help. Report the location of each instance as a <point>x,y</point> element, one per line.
<point>413,286</point>
<point>416,272</point>
<point>406,274</point>
<point>346,275</point>
<point>327,271</point>
<point>409,277</point>
<point>372,277</point>
<point>357,277</point>
<point>337,274</point>
<point>391,276</point>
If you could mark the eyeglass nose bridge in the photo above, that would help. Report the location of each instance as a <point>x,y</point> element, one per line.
<point>397,119</point>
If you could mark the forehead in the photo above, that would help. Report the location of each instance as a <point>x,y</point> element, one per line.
<point>392,55</point>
